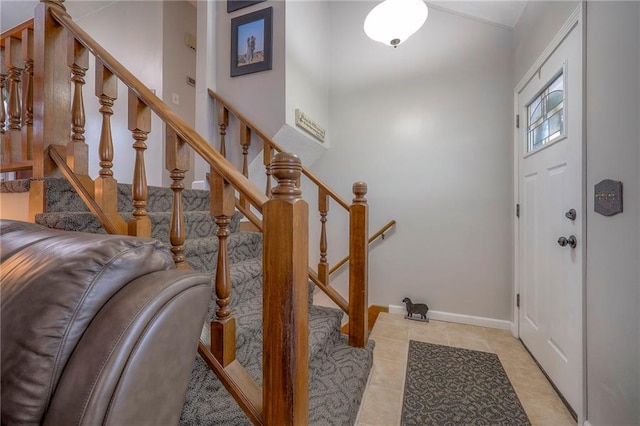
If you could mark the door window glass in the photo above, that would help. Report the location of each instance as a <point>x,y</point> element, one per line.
<point>545,115</point>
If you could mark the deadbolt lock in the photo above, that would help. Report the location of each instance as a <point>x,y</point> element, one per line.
<point>571,214</point>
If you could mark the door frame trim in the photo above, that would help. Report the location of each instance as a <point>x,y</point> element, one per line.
<point>577,18</point>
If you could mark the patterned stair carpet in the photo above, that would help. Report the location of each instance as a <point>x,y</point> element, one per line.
<point>338,373</point>
<point>446,385</point>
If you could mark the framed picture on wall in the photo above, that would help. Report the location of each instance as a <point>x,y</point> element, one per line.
<point>251,42</point>
<point>240,4</point>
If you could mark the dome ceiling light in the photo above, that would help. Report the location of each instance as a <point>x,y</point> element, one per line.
<point>393,21</point>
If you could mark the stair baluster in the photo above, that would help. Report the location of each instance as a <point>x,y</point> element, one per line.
<point>286,301</point>
<point>15,65</point>
<point>223,327</point>
<point>177,163</point>
<point>268,153</point>
<point>140,126</point>
<point>106,187</point>
<point>323,208</point>
<point>3,112</point>
<point>359,267</point>
<point>27,94</point>
<point>223,123</point>
<point>245,142</point>
<point>77,149</point>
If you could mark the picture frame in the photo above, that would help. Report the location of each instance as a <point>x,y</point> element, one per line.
<point>233,5</point>
<point>252,42</point>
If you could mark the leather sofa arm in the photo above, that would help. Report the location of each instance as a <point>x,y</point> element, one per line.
<point>133,364</point>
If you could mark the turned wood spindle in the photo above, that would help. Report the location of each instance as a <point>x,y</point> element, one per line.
<point>107,93</point>
<point>358,266</point>
<point>77,149</point>
<point>140,126</point>
<point>267,166</point>
<point>245,141</point>
<point>15,66</point>
<point>323,208</point>
<point>223,327</point>
<point>3,111</point>
<point>106,187</point>
<point>27,94</point>
<point>223,123</point>
<point>177,163</point>
<point>286,300</point>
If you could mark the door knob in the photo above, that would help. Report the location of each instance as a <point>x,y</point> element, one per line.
<point>571,214</point>
<point>571,241</point>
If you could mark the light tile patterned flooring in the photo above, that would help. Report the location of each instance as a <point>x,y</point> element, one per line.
<point>382,401</point>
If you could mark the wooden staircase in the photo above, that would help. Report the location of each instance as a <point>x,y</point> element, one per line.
<point>42,134</point>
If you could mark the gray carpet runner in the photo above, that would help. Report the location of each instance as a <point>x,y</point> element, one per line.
<point>338,373</point>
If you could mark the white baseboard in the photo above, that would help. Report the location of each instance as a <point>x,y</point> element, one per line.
<point>514,329</point>
<point>586,423</point>
<point>458,318</point>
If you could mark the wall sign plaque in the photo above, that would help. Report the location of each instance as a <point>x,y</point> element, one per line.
<point>608,197</point>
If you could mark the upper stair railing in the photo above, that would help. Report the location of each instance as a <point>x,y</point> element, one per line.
<point>60,53</point>
<point>356,307</point>
<point>16,91</point>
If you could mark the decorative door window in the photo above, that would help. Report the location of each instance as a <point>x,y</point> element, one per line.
<point>545,115</point>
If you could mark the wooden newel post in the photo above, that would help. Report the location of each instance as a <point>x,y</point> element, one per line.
<point>286,310</point>
<point>358,267</point>
<point>51,97</point>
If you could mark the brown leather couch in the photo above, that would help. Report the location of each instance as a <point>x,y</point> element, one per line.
<point>96,329</point>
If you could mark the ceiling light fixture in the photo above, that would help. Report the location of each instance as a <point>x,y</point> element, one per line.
<point>393,21</point>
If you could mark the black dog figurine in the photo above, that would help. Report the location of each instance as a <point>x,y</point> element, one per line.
<point>418,308</point>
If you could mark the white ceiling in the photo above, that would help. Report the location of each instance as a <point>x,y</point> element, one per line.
<point>505,12</point>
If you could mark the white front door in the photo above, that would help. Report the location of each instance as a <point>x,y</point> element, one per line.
<point>550,194</point>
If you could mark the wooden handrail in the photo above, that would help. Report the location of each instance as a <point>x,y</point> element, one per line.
<point>16,167</point>
<point>278,148</point>
<point>330,292</point>
<point>371,239</point>
<point>188,134</point>
<point>16,31</point>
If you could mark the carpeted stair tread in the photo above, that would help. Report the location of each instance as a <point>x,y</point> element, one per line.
<point>336,386</point>
<point>15,186</point>
<point>160,199</point>
<point>202,253</point>
<point>324,333</point>
<point>198,224</point>
<point>62,197</point>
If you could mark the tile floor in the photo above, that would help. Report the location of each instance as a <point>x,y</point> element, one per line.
<point>382,401</point>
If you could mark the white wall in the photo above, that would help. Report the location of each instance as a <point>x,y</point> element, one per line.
<point>206,73</point>
<point>132,32</point>
<point>613,246</point>
<point>179,61</point>
<point>538,24</point>
<point>307,62</point>
<point>428,127</point>
<point>260,96</point>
